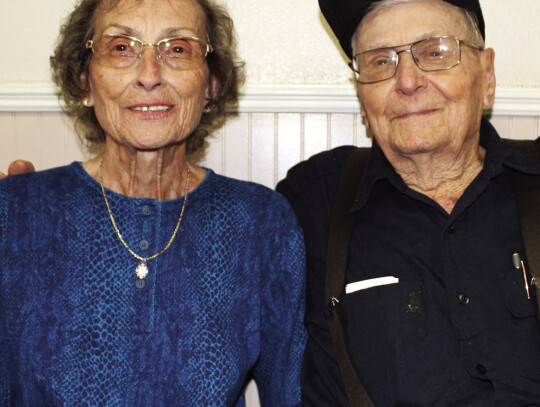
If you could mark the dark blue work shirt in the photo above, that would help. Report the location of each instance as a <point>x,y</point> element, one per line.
<point>457,328</point>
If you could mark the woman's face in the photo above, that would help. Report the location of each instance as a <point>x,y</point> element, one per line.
<point>149,105</point>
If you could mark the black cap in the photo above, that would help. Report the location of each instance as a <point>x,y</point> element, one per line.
<point>343,16</point>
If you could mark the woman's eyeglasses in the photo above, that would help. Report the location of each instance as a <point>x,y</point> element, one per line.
<point>121,51</point>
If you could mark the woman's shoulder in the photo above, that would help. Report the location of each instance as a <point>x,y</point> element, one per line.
<point>241,188</point>
<point>248,195</point>
<point>43,183</point>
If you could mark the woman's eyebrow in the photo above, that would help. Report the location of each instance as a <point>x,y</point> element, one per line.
<point>169,31</point>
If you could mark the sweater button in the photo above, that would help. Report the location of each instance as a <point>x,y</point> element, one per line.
<point>146,210</point>
<point>140,284</point>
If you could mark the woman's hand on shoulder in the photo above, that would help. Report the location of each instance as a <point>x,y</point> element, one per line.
<point>18,167</point>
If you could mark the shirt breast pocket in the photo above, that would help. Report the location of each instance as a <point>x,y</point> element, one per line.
<point>378,321</point>
<point>518,297</point>
<point>365,314</point>
<point>380,310</point>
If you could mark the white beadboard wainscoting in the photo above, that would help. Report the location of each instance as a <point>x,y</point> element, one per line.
<point>259,147</point>
<point>275,127</point>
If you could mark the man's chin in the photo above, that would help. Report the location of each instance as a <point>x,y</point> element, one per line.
<point>418,142</point>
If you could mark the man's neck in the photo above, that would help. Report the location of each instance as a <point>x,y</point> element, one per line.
<point>441,176</point>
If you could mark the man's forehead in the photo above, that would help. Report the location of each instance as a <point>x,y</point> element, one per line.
<point>343,16</point>
<point>410,22</point>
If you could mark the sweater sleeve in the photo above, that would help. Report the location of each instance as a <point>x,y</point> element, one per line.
<point>5,374</point>
<point>283,336</point>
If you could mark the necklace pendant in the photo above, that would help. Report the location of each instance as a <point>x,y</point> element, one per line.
<point>142,269</point>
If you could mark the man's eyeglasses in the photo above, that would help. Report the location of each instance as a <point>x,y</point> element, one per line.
<point>431,54</point>
<point>121,51</point>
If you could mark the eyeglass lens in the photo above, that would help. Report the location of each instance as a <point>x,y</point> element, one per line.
<point>431,54</point>
<point>121,52</point>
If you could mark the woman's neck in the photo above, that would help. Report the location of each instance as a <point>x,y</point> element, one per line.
<point>158,174</point>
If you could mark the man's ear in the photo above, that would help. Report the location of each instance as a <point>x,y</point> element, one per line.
<point>487,58</point>
<point>365,120</point>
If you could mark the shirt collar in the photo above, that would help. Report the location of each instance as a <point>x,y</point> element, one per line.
<point>499,154</point>
<point>378,168</point>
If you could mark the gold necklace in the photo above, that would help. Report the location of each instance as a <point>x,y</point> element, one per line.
<point>142,268</point>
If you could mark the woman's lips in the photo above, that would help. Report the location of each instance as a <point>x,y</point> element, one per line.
<point>151,111</point>
<point>151,108</point>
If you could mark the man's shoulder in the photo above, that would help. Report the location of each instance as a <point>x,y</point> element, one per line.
<point>530,147</point>
<point>320,170</point>
<point>522,156</point>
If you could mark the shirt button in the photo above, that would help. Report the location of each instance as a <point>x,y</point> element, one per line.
<point>143,244</point>
<point>463,299</point>
<point>140,284</point>
<point>450,230</point>
<point>481,369</point>
<point>146,210</point>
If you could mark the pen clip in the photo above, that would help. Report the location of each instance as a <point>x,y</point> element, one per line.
<point>516,260</point>
<point>518,264</point>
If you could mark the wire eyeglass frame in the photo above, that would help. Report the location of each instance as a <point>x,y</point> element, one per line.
<point>454,58</point>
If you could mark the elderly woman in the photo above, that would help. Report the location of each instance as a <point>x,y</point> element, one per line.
<point>138,278</point>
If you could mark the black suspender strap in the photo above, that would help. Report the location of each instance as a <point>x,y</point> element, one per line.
<point>341,223</point>
<point>528,200</point>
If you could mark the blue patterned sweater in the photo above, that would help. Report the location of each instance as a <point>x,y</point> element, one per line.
<point>225,303</point>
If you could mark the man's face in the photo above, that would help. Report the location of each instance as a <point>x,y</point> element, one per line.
<point>422,112</point>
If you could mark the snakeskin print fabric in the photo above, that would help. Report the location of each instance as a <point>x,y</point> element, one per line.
<point>223,304</point>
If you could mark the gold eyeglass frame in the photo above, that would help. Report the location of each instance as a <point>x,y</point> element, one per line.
<point>209,49</point>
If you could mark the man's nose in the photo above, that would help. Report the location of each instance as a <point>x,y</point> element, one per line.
<point>409,77</point>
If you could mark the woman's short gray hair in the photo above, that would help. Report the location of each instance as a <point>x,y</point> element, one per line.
<point>71,60</point>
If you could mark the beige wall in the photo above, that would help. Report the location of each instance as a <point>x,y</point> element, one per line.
<point>283,41</point>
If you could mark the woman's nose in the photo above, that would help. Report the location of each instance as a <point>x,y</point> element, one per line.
<point>149,68</point>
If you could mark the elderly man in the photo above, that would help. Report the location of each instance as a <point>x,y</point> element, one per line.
<point>439,307</point>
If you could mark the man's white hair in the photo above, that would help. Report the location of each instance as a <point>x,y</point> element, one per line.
<point>471,21</point>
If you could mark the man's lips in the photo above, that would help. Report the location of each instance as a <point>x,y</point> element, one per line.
<point>415,113</point>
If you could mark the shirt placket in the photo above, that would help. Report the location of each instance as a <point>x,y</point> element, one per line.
<point>462,299</point>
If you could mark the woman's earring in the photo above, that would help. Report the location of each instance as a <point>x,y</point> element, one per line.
<point>208,108</point>
<point>85,102</point>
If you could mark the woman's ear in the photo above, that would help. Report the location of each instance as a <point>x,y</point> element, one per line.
<point>212,89</point>
<point>88,99</point>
